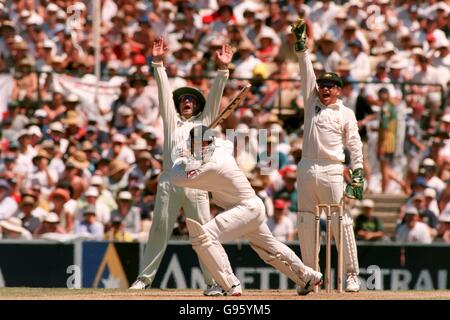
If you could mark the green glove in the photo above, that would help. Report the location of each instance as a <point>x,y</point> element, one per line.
<point>355,189</point>
<point>299,31</point>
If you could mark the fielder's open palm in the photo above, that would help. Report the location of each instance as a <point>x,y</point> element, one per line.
<point>225,55</point>
<point>159,49</point>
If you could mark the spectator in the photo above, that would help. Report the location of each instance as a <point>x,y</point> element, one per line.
<point>117,232</point>
<point>118,176</point>
<point>181,231</point>
<point>444,225</point>
<point>359,61</point>
<point>414,145</point>
<point>387,141</point>
<point>7,204</point>
<point>58,198</point>
<point>426,216</point>
<point>367,226</point>
<point>279,224</point>
<point>102,212</point>
<point>428,170</point>
<point>51,228</point>
<point>12,229</point>
<point>89,227</point>
<point>258,186</point>
<point>27,214</point>
<point>130,214</point>
<point>412,230</point>
<point>430,201</point>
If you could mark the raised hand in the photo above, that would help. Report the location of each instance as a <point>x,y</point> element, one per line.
<point>224,56</point>
<point>299,30</point>
<point>159,49</point>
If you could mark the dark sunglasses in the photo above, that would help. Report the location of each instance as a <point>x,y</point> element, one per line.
<point>187,97</point>
<point>328,85</point>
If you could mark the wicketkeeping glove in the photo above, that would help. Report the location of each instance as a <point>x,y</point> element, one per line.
<point>355,189</point>
<point>299,30</point>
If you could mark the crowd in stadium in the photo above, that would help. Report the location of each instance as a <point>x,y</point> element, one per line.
<point>72,168</point>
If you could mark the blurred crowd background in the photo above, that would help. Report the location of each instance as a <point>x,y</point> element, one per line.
<point>75,167</point>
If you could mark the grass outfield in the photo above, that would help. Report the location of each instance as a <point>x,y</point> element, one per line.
<point>192,294</point>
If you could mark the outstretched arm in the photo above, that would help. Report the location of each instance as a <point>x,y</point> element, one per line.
<point>166,105</point>
<point>212,106</point>
<point>308,78</point>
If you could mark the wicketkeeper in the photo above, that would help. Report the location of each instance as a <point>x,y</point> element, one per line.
<point>214,169</point>
<point>329,128</point>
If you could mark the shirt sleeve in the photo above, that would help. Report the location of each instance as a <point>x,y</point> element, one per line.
<point>166,104</point>
<point>353,139</point>
<point>308,77</point>
<point>212,106</point>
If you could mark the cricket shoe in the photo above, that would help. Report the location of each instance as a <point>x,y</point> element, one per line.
<point>311,279</point>
<point>235,291</point>
<point>352,283</point>
<point>138,285</point>
<point>214,291</point>
<point>217,291</point>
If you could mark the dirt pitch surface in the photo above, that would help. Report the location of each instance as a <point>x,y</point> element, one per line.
<point>191,294</point>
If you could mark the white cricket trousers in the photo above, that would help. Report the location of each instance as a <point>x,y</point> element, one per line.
<point>248,220</point>
<point>322,182</point>
<point>169,200</point>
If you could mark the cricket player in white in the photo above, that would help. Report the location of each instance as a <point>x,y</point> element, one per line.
<point>217,172</point>
<point>179,110</point>
<point>329,127</point>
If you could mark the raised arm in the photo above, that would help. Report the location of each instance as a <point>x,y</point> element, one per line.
<point>212,106</point>
<point>308,78</point>
<point>166,104</point>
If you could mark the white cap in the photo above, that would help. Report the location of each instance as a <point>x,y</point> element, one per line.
<point>61,14</point>
<point>125,111</point>
<point>12,224</point>
<point>52,7</point>
<point>79,6</point>
<point>139,144</point>
<point>120,138</point>
<point>56,126</point>
<point>446,118</point>
<point>367,203</point>
<point>430,192</point>
<point>167,6</point>
<point>25,14</point>
<point>35,19</point>
<point>72,97</point>
<point>140,6</point>
<point>51,217</point>
<point>445,217</point>
<point>113,64</point>
<point>91,192</point>
<point>442,43</point>
<point>22,133</point>
<point>40,113</point>
<point>428,162</point>
<point>124,195</point>
<point>35,130</point>
<point>48,44</point>
<point>411,210</point>
<point>96,181</point>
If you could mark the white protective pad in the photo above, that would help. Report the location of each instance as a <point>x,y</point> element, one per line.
<point>210,254</point>
<point>350,251</point>
<point>294,270</point>
<point>306,235</point>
